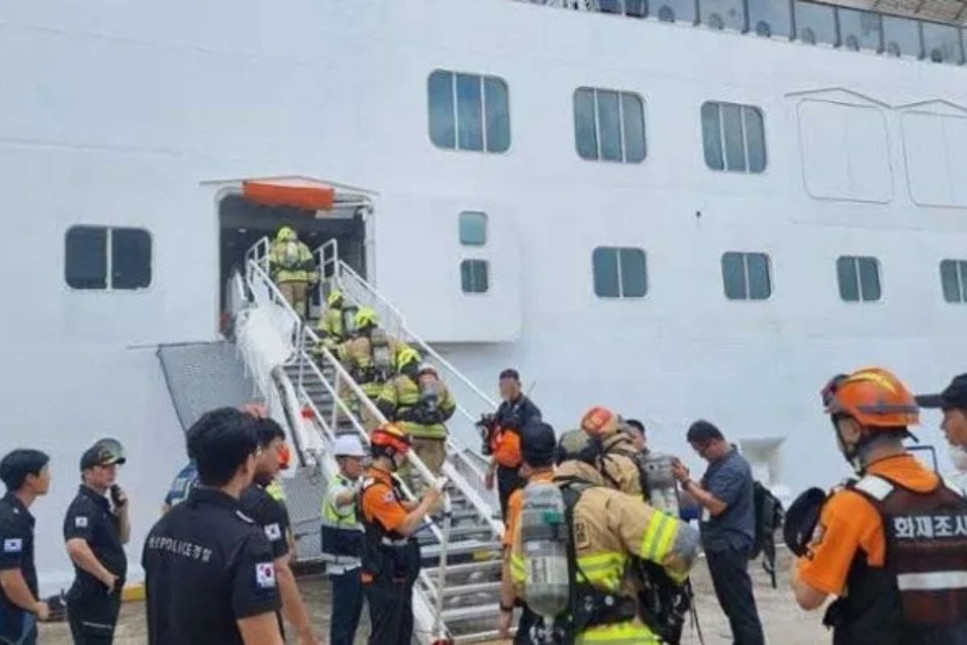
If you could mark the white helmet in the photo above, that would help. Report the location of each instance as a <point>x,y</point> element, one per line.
<point>427,367</point>
<point>348,445</point>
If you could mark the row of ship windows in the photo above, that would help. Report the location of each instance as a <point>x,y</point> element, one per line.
<point>120,259</point>
<point>622,272</point>
<point>810,23</point>
<point>471,112</point>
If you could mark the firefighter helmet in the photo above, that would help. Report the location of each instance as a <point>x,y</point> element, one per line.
<point>388,440</point>
<point>873,396</point>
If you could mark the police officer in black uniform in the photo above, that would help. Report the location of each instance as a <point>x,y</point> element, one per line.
<point>27,476</point>
<point>273,518</point>
<point>209,571</point>
<point>95,534</point>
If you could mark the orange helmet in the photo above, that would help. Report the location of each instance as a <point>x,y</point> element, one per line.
<point>874,397</point>
<point>599,422</point>
<point>388,439</point>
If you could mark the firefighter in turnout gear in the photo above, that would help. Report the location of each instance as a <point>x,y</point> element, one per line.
<point>537,452</point>
<point>390,553</point>
<point>420,402</point>
<point>663,601</point>
<point>370,358</point>
<point>616,453</point>
<point>891,545</point>
<point>292,268</point>
<point>332,325</point>
<point>601,532</point>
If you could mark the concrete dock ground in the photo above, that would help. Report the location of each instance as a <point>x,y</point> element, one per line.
<point>784,622</point>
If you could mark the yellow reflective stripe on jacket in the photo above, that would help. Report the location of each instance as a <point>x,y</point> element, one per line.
<point>658,537</point>
<point>518,572</point>
<point>602,570</point>
<point>626,633</point>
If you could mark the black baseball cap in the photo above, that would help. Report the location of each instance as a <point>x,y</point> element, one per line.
<point>954,396</point>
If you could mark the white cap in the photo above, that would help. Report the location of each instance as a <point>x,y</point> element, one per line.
<point>427,367</point>
<point>348,445</point>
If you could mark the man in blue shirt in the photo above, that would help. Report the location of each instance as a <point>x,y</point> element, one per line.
<point>728,526</point>
<point>181,486</point>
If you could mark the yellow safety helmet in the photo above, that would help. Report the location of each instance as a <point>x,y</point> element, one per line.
<point>285,234</point>
<point>334,298</point>
<point>406,356</point>
<point>365,317</point>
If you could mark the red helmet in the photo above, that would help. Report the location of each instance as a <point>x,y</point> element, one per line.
<point>599,422</point>
<point>389,439</point>
<point>873,396</point>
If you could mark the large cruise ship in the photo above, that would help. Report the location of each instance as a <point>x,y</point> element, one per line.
<point>679,209</point>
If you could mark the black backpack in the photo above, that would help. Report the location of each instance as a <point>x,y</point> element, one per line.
<point>769,516</point>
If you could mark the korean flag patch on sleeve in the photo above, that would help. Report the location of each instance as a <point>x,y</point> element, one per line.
<point>80,522</point>
<point>13,545</point>
<point>273,532</point>
<point>265,575</point>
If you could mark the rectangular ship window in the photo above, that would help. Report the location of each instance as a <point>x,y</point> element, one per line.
<point>474,276</point>
<point>473,228</point>
<point>98,257</point>
<point>468,111</point>
<point>609,125</point>
<point>619,272</point>
<point>859,278</point>
<point>953,279</point>
<point>733,137</point>
<point>746,276</point>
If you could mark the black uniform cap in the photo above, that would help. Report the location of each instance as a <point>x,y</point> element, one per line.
<point>953,397</point>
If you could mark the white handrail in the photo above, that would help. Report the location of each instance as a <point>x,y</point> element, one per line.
<point>343,271</point>
<point>484,509</point>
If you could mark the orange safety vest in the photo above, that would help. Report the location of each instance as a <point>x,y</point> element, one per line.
<point>505,446</point>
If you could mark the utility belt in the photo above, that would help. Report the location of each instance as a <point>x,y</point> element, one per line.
<point>591,608</point>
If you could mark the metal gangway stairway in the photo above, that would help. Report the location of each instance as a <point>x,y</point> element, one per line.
<point>320,400</point>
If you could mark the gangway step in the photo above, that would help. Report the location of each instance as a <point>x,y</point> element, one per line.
<point>486,566</point>
<point>484,551</point>
<point>480,637</point>
<point>457,532</point>
<point>472,588</point>
<point>472,612</point>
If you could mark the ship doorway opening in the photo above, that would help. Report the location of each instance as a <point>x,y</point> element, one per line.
<point>243,222</point>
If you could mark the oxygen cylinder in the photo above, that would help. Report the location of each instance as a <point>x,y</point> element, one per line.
<point>544,543</point>
<point>429,394</point>
<point>662,490</point>
<point>382,354</point>
<point>349,320</point>
<point>291,254</point>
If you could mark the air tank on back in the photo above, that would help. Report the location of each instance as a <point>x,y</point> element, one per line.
<point>544,537</point>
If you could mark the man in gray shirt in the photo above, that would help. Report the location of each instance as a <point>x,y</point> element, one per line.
<point>728,526</point>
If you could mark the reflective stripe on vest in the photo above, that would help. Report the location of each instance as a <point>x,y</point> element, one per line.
<point>932,581</point>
